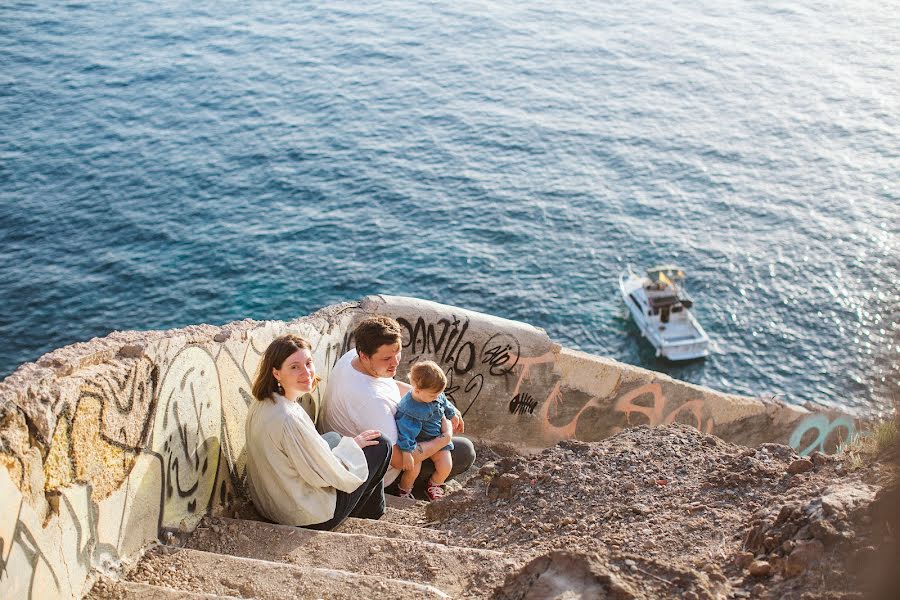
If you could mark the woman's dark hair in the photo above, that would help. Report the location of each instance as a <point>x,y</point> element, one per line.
<point>265,385</point>
<point>375,332</point>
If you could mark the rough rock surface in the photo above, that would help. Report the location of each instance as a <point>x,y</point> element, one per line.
<point>672,512</point>
<point>665,512</point>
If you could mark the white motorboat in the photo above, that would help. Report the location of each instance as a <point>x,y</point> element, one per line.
<point>660,306</point>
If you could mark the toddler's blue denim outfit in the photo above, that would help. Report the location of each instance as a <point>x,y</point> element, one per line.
<point>421,421</point>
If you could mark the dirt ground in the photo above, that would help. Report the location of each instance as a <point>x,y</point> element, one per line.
<point>672,512</point>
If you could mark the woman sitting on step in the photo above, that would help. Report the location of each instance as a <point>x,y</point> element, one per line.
<point>295,476</point>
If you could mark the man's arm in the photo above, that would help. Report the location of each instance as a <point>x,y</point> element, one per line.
<point>403,387</point>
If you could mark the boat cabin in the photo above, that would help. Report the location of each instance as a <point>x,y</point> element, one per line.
<point>665,294</point>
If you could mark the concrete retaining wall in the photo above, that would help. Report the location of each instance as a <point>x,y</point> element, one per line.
<point>105,445</point>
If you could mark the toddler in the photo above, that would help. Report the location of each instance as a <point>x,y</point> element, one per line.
<point>420,416</point>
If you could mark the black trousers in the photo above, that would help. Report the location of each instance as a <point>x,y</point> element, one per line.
<point>366,501</point>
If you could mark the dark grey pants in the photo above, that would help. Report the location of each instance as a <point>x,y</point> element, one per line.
<point>463,455</point>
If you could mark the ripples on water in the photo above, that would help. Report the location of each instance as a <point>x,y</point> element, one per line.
<point>170,163</point>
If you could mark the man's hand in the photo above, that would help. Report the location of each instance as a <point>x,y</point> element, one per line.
<point>446,428</point>
<point>459,426</point>
<point>408,462</point>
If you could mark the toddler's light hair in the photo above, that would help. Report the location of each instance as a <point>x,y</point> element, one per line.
<point>427,375</point>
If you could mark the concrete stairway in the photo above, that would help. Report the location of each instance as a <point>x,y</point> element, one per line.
<point>397,557</point>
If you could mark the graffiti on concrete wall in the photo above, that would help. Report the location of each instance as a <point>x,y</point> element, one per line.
<point>522,403</point>
<point>644,404</point>
<point>53,560</point>
<point>657,412</point>
<point>173,429</point>
<point>28,567</point>
<point>550,404</point>
<point>818,432</point>
<point>501,353</point>
<point>127,398</point>
<point>448,342</point>
<point>445,340</point>
<point>187,433</point>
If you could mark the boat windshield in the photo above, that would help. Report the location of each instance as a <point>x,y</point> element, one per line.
<point>668,274</point>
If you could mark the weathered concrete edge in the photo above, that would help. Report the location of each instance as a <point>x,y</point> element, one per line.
<point>41,379</point>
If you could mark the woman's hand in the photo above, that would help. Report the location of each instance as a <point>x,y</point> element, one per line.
<point>367,438</point>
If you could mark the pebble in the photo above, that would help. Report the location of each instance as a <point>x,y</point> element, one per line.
<point>760,568</point>
<point>801,465</point>
<point>743,559</point>
<point>804,555</point>
<point>640,509</point>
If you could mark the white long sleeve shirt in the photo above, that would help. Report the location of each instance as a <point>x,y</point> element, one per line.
<point>292,474</point>
<point>355,402</point>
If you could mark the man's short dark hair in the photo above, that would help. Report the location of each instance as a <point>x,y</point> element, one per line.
<point>375,332</point>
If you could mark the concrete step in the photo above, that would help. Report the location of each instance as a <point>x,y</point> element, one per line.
<point>401,516</point>
<point>108,589</point>
<point>404,503</point>
<point>395,530</point>
<point>404,511</point>
<point>199,572</point>
<point>452,569</point>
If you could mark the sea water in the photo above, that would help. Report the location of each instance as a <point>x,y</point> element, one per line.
<point>170,163</point>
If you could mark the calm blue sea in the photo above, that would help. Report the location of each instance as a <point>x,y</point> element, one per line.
<point>177,162</point>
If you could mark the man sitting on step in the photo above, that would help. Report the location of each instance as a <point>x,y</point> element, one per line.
<point>362,394</point>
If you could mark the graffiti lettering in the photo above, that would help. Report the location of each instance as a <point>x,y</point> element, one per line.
<point>476,383</point>
<point>553,400</point>
<point>823,429</point>
<point>445,342</point>
<point>127,401</point>
<point>501,353</point>
<point>656,413</point>
<point>188,433</point>
<point>522,403</point>
<point>448,346</point>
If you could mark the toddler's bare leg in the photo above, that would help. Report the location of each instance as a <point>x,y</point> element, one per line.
<point>407,478</point>
<point>442,465</point>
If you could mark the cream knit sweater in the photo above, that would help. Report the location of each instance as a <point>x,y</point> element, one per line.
<point>292,474</point>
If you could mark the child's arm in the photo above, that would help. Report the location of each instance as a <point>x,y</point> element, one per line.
<point>408,429</point>
<point>408,461</point>
<point>452,413</point>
